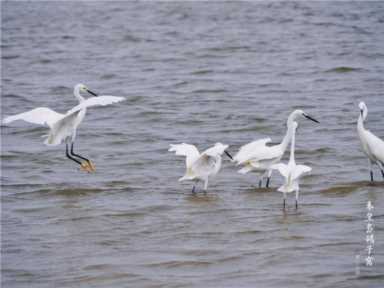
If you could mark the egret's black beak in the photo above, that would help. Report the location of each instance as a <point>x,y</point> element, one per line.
<point>310,118</point>
<point>229,155</point>
<point>92,93</point>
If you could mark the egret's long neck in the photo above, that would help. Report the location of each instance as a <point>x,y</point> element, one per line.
<point>360,122</point>
<point>292,155</point>
<point>287,137</point>
<point>78,96</point>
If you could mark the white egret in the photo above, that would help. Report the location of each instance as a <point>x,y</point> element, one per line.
<point>257,156</point>
<point>200,166</point>
<point>63,126</point>
<point>291,172</point>
<point>372,145</point>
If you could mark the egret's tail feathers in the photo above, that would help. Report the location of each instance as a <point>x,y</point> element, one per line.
<point>285,189</point>
<point>52,140</point>
<point>289,187</point>
<point>245,169</point>
<point>186,177</point>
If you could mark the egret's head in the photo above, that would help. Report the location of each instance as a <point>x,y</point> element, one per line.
<point>300,113</point>
<point>221,146</point>
<point>82,88</point>
<point>223,149</point>
<point>363,109</point>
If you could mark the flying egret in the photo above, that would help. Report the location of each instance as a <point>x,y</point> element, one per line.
<point>372,145</point>
<point>257,156</point>
<point>63,126</point>
<point>291,172</point>
<point>200,166</point>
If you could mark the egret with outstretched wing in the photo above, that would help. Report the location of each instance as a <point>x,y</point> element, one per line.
<point>63,127</point>
<point>258,156</point>
<point>200,166</point>
<point>291,171</point>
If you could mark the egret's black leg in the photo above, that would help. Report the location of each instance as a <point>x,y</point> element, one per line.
<point>381,166</point>
<point>260,183</point>
<point>296,204</point>
<point>371,175</point>
<point>193,188</point>
<point>69,155</point>
<point>284,204</point>
<point>77,155</point>
<point>267,185</point>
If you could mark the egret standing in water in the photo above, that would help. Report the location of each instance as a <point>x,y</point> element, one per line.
<point>291,172</point>
<point>63,126</point>
<point>257,156</point>
<point>200,166</point>
<point>372,145</point>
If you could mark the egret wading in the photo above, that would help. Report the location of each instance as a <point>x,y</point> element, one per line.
<point>291,172</point>
<point>372,145</point>
<point>257,156</point>
<point>63,127</point>
<point>200,167</point>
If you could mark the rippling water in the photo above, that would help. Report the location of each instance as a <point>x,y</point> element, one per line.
<point>197,73</point>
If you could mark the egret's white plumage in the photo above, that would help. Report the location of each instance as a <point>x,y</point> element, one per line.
<point>291,171</point>
<point>257,156</point>
<point>200,166</point>
<point>189,151</point>
<point>39,116</point>
<point>66,126</point>
<point>63,126</point>
<point>102,100</point>
<point>372,145</point>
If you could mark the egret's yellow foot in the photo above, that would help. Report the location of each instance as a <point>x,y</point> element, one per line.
<point>87,166</point>
<point>92,166</point>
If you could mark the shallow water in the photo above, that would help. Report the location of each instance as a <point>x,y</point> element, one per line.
<point>197,73</point>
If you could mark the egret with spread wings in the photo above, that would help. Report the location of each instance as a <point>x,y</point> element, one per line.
<point>200,166</point>
<point>291,172</point>
<point>257,156</point>
<point>63,127</point>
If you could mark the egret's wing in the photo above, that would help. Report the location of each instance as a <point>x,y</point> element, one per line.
<point>189,151</point>
<point>216,150</point>
<point>265,156</point>
<point>300,170</point>
<point>40,116</point>
<point>96,101</point>
<point>247,151</point>
<point>282,168</point>
<point>268,153</point>
<point>62,129</point>
<point>375,144</point>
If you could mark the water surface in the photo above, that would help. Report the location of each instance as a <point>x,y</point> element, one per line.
<point>197,73</point>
